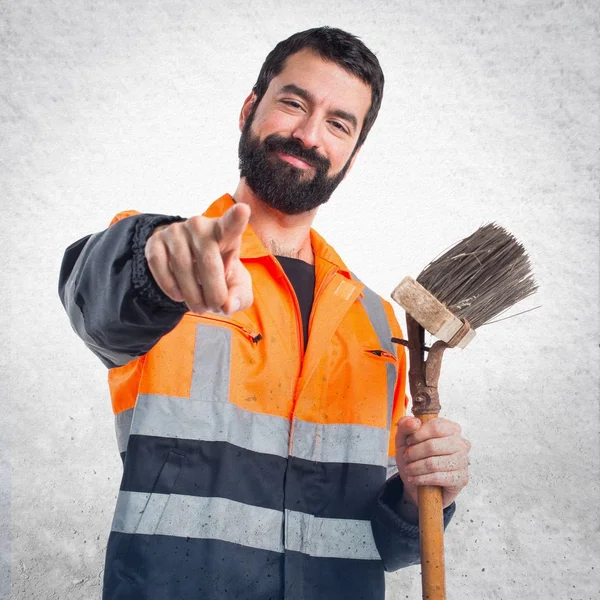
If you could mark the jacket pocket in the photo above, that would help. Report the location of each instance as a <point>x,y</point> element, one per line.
<point>150,516</point>
<point>383,355</point>
<point>247,330</point>
<point>161,492</point>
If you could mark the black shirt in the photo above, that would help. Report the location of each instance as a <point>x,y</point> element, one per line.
<point>302,277</point>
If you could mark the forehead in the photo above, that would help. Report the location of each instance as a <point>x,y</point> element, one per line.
<point>328,83</point>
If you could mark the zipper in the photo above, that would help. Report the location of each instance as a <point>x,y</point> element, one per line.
<point>253,336</point>
<point>299,339</point>
<point>299,328</point>
<point>328,277</point>
<point>382,354</point>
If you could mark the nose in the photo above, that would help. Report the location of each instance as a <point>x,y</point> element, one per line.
<point>307,132</point>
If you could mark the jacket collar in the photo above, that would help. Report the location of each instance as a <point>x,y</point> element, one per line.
<point>252,247</point>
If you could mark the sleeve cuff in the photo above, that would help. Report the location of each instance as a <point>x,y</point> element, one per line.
<point>397,540</point>
<point>142,280</point>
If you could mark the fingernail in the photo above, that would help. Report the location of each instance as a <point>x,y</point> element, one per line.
<point>235,305</point>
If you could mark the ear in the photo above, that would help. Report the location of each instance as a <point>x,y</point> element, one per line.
<point>246,108</point>
<point>352,160</point>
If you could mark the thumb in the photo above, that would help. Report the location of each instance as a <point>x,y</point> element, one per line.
<point>406,427</point>
<point>229,228</point>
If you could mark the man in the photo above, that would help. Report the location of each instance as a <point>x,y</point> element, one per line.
<point>269,398</point>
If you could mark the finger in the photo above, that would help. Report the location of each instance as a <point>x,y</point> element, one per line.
<point>200,307</point>
<point>228,229</point>
<point>436,428</point>
<point>181,266</point>
<point>240,296</point>
<point>210,273</point>
<point>437,464</point>
<point>454,480</point>
<point>158,264</point>
<point>407,426</point>
<point>435,447</point>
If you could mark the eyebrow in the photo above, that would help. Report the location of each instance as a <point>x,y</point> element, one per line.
<point>292,88</point>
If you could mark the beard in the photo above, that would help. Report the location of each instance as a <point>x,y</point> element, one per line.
<point>279,184</point>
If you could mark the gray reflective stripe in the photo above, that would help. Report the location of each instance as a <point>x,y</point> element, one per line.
<point>340,443</point>
<point>199,517</point>
<point>329,538</point>
<point>122,428</point>
<point>392,467</point>
<point>116,359</point>
<point>212,359</point>
<point>373,306</point>
<point>182,418</point>
<point>391,386</point>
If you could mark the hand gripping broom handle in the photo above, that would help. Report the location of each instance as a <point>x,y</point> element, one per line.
<point>423,378</point>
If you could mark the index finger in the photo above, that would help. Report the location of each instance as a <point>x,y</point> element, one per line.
<point>229,227</point>
<point>435,428</point>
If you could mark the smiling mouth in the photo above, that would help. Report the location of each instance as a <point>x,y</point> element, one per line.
<point>295,161</point>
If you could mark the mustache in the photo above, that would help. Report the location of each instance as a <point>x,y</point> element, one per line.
<point>278,143</point>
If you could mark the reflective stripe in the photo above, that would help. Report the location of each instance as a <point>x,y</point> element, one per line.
<point>110,357</point>
<point>199,517</point>
<point>212,359</point>
<point>329,538</point>
<point>392,467</point>
<point>221,519</point>
<point>182,418</point>
<point>122,428</point>
<point>340,443</point>
<point>373,306</point>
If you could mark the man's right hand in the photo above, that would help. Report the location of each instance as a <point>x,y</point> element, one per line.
<point>198,262</point>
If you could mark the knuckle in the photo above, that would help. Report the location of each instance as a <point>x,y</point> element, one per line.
<point>431,446</point>
<point>437,427</point>
<point>195,224</point>
<point>153,258</point>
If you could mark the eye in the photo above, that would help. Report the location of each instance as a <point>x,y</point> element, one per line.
<point>292,103</point>
<point>339,126</point>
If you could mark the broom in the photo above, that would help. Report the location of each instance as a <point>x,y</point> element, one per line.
<point>477,279</point>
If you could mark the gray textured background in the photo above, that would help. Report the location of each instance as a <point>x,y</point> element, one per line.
<point>490,113</point>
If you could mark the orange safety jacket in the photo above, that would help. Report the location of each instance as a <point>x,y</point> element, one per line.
<point>251,469</point>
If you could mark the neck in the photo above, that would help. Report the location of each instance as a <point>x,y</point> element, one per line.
<point>284,235</point>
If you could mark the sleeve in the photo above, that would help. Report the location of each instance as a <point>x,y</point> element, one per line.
<point>397,540</point>
<point>109,294</point>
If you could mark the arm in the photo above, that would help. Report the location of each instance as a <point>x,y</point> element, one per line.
<point>431,455</point>
<point>111,298</point>
<point>126,287</point>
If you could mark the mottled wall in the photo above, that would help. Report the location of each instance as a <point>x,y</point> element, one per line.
<point>491,113</point>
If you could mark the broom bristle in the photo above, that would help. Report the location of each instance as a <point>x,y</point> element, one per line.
<point>481,276</point>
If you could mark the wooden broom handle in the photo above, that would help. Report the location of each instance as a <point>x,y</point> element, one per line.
<point>431,533</point>
<point>423,378</point>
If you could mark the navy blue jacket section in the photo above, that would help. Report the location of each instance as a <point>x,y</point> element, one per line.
<point>395,538</point>
<point>209,469</point>
<point>153,567</point>
<point>123,308</point>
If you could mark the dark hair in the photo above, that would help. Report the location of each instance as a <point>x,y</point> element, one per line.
<point>336,46</point>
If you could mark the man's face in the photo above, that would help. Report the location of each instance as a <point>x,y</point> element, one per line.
<point>298,143</point>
